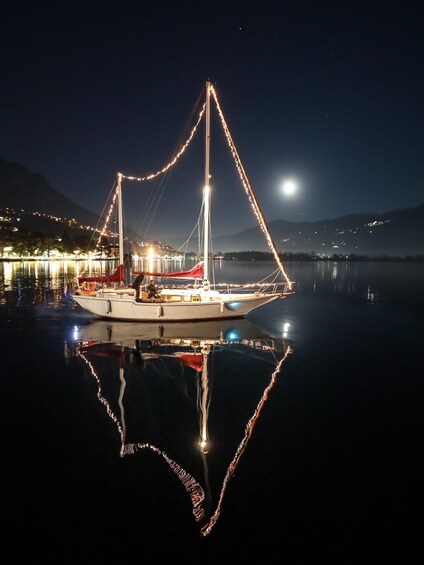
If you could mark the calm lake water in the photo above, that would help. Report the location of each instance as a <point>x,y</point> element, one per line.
<point>313,423</point>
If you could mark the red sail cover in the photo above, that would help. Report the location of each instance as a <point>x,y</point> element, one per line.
<point>195,273</point>
<point>193,360</point>
<point>117,277</point>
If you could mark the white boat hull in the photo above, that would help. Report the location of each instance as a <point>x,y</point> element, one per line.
<point>124,307</point>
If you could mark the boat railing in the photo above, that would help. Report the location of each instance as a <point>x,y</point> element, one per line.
<point>274,288</point>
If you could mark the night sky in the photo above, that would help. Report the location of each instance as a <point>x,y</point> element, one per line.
<point>328,94</point>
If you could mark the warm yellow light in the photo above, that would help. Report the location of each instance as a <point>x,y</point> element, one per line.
<point>203,444</point>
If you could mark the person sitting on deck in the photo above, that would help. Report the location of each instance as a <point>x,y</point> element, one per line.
<point>136,285</point>
<point>152,290</point>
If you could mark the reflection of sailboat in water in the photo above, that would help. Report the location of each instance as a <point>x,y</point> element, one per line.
<point>158,412</point>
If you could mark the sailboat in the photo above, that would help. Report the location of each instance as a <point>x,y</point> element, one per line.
<point>109,296</point>
<point>183,358</point>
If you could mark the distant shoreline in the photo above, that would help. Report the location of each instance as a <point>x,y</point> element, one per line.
<point>249,257</point>
<point>313,257</point>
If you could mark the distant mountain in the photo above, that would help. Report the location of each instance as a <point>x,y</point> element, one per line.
<point>399,232</point>
<point>21,189</point>
<point>395,233</point>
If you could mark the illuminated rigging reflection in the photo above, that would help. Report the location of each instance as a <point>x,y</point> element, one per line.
<point>198,360</point>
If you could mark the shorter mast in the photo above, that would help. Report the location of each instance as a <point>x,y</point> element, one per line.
<point>206,191</point>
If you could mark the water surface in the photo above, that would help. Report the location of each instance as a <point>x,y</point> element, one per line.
<point>331,467</point>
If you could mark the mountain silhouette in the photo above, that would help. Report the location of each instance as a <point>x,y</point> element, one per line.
<point>394,233</point>
<point>31,192</point>
<point>24,190</point>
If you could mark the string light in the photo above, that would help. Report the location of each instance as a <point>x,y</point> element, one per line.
<point>241,171</point>
<point>192,487</point>
<point>175,159</point>
<point>248,188</point>
<point>150,176</point>
<point>242,446</point>
<point>102,399</point>
<point>107,220</point>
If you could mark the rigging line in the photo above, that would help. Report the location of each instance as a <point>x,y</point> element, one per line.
<point>200,225</point>
<point>196,225</point>
<point>156,196</point>
<point>153,201</point>
<point>181,146</point>
<point>269,280</point>
<point>200,233</point>
<point>248,188</point>
<point>112,196</point>
<point>211,250</point>
<point>206,529</point>
<point>126,239</point>
<point>189,237</point>
<point>177,156</point>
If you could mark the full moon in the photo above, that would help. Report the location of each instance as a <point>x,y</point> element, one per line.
<point>289,187</point>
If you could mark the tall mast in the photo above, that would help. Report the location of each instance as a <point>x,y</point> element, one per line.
<point>206,191</point>
<point>120,222</point>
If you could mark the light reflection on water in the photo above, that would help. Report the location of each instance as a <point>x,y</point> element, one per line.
<point>30,283</point>
<point>334,433</point>
<point>127,364</point>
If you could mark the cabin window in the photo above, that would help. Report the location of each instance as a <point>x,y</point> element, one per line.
<point>173,298</point>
